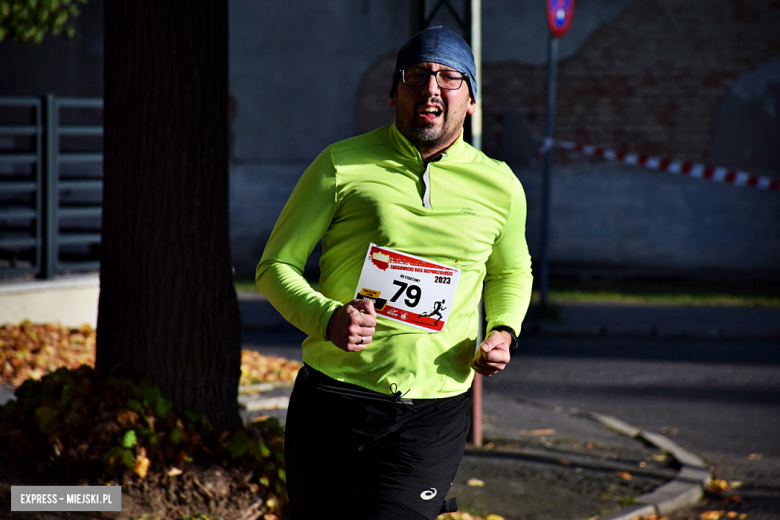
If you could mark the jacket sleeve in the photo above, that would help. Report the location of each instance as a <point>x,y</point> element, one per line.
<point>508,279</point>
<point>302,224</point>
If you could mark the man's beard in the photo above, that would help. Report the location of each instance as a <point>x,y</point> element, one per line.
<point>426,136</point>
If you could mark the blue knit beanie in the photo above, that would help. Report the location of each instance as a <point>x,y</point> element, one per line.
<point>437,45</point>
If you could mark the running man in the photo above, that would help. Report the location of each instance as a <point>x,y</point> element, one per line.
<point>437,308</point>
<point>378,417</point>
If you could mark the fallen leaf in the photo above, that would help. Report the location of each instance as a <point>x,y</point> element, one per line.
<point>625,475</point>
<point>494,517</point>
<point>732,514</point>
<point>129,439</point>
<point>57,446</point>
<point>754,456</point>
<point>173,472</point>
<point>711,515</point>
<point>533,433</point>
<point>718,485</point>
<point>141,466</point>
<point>127,419</point>
<point>475,482</point>
<point>660,457</point>
<point>564,462</point>
<point>46,419</point>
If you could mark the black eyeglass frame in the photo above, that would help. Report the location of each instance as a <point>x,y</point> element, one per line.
<point>434,73</point>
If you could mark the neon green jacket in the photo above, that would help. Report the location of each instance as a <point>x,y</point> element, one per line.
<point>464,210</point>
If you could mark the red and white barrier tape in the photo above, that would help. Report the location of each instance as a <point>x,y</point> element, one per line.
<point>695,170</point>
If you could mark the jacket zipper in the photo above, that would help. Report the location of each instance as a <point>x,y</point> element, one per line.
<point>427,181</point>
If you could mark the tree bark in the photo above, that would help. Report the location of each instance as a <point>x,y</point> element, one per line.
<point>168,309</point>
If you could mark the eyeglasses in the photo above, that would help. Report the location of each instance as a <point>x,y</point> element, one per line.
<point>446,79</point>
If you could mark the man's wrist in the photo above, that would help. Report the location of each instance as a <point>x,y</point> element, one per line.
<point>513,344</point>
<point>327,318</point>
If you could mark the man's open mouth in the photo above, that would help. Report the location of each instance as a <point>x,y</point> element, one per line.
<point>430,112</point>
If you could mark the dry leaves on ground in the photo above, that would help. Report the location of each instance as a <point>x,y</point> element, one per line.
<point>32,350</point>
<point>717,515</point>
<point>257,368</point>
<point>79,426</point>
<point>717,485</point>
<point>467,516</point>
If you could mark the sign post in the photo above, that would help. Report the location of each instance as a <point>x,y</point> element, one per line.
<point>559,15</point>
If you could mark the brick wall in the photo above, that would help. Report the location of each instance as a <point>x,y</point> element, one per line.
<point>651,81</point>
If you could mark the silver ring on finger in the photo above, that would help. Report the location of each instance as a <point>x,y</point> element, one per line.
<point>362,340</point>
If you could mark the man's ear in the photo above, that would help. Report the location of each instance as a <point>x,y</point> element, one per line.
<point>393,101</point>
<point>472,106</point>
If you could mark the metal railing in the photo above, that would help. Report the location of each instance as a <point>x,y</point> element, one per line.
<point>51,184</point>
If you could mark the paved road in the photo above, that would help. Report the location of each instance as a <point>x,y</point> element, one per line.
<point>717,398</point>
<point>703,376</point>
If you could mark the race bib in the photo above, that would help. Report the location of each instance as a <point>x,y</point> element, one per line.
<point>408,289</point>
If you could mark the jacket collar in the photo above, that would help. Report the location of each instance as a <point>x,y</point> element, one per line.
<point>407,149</point>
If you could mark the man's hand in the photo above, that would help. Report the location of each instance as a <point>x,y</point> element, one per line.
<point>493,353</point>
<point>351,327</point>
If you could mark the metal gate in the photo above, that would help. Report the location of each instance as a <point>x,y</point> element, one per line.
<point>51,185</point>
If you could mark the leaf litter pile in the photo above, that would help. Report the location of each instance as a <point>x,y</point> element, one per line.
<point>71,424</point>
<point>29,351</point>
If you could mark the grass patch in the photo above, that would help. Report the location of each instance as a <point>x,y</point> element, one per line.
<point>651,298</point>
<point>245,282</point>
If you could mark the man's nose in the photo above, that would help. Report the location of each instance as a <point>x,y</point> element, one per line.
<point>431,87</point>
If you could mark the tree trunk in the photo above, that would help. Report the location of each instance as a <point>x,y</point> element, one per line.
<point>167,307</point>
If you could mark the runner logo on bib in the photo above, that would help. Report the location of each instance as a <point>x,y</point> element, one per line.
<point>408,289</point>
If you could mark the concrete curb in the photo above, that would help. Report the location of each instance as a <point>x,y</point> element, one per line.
<point>254,404</point>
<point>264,397</point>
<point>67,282</point>
<point>71,301</point>
<point>686,489</point>
<point>611,423</point>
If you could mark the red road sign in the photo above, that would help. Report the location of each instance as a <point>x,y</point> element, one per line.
<point>559,15</point>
